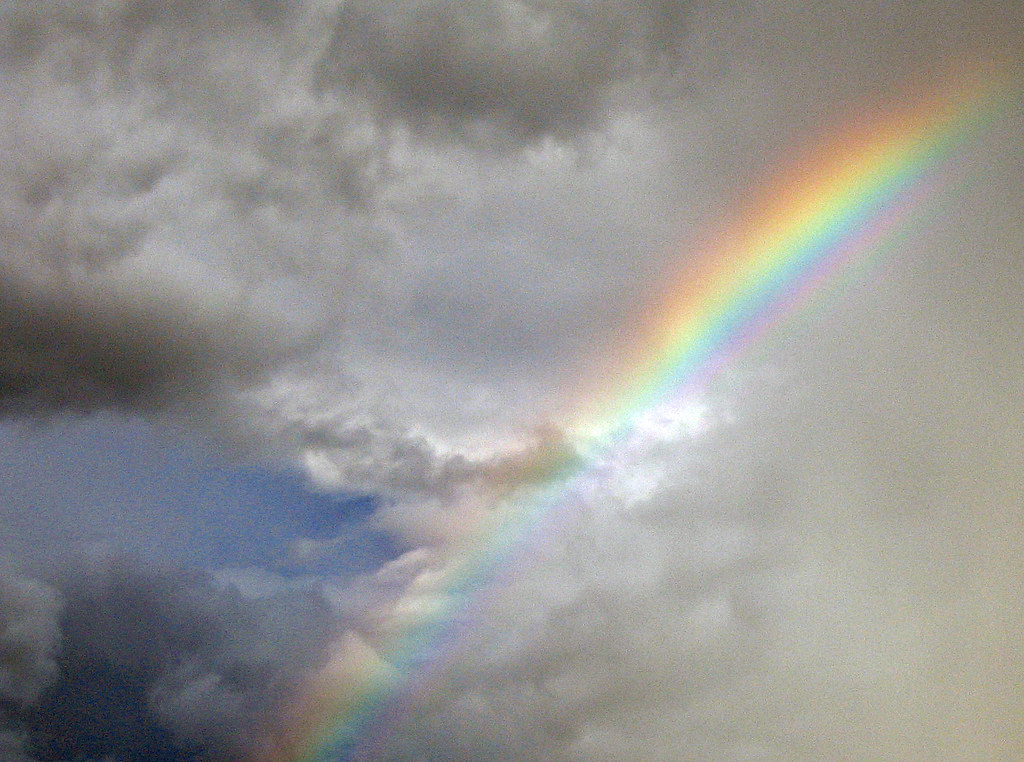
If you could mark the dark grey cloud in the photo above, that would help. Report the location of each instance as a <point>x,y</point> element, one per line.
<point>525,68</point>
<point>145,663</point>
<point>72,344</point>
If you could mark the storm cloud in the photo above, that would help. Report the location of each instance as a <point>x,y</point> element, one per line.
<point>142,662</point>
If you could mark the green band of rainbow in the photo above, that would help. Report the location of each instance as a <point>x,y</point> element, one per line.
<point>834,210</point>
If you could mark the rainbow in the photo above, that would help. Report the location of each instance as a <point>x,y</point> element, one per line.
<point>829,215</point>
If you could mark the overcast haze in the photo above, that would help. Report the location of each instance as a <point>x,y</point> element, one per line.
<point>287,288</point>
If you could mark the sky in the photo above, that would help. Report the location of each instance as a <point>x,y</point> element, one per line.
<point>295,297</point>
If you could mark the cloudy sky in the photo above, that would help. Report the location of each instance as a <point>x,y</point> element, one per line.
<point>287,289</point>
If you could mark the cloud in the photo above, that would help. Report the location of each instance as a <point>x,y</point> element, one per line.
<point>201,220</point>
<point>151,663</point>
<point>153,252</point>
<point>29,638</point>
<point>523,68</point>
<point>29,641</point>
<point>230,197</point>
<point>774,589</point>
<point>82,343</point>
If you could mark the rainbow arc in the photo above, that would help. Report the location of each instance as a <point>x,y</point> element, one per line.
<point>832,213</point>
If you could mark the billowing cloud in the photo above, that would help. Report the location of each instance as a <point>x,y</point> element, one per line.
<point>145,663</point>
<point>206,212</point>
<point>522,68</point>
<point>148,256</point>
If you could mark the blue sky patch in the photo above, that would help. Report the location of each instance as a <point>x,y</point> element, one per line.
<point>109,482</point>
